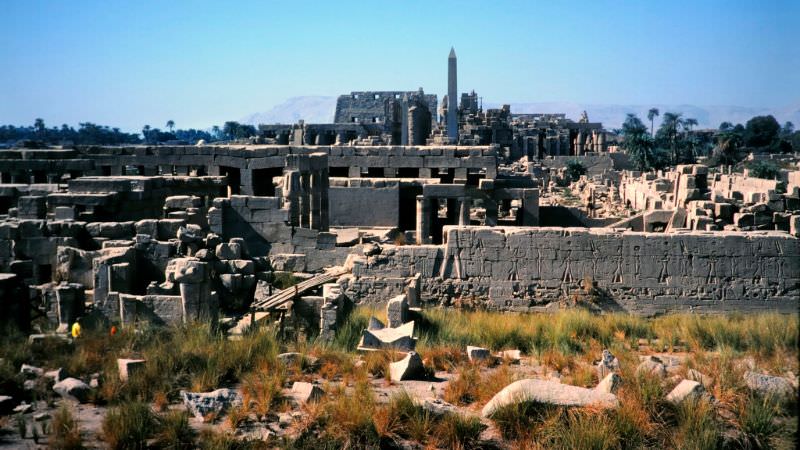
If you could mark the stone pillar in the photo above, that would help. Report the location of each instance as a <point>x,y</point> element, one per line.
<point>292,196</point>
<point>324,215</point>
<point>305,200</point>
<point>315,197</point>
<point>453,210</point>
<point>354,172</point>
<point>530,207</point>
<point>423,219</point>
<point>463,219</point>
<point>491,212</point>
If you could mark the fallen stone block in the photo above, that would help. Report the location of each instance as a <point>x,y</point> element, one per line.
<point>397,311</point>
<point>56,375</point>
<point>608,363</point>
<point>476,354</point>
<point>652,365</point>
<point>399,338</point>
<point>304,392</point>
<point>201,404</point>
<point>129,367</point>
<point>609,384</point>
<point>778,387</point>
<point>695,375</point>
<point>29,371</point>
<point>74,389</point>
<point>513,356</point>
<point>408,368</point>
<point>686,390</point>
<point>548,392</point>
<point>298,359</point>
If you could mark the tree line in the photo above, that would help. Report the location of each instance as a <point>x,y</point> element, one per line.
<point>89,133</point>
<point>675,141</point>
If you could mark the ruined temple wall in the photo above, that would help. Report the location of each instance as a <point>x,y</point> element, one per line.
<point>364,202</point>
<point>594,164</point>
<point>518,269</point>
<point>737,186</point>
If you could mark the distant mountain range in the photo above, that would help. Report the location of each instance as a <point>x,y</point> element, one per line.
<point>320,109</point>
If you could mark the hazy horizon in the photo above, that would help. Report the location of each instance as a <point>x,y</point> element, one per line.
<point>202,63</point>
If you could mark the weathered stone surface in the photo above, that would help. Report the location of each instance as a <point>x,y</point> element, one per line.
<point>652,365</point>
<point>56,375</point>
<point>399,338</point>
<point>201,404</point>
<point>408,368</point>
<point>608,363</point>
<point>375,324</point>
<point>769,385</point>
<point>476,354</point>
<point>74,389</point>
<point>304,392</point>
<point>514,356</point>
<point>685,390</point>
<point>297,359</point>
<point>397,311</point>
<point>29,371</point>
<point>549,392</point>
<point>609,384</point>
<point>129,367</point>
<point>695,375</point>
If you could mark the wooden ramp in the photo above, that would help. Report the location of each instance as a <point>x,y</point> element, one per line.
<point>264,306</point>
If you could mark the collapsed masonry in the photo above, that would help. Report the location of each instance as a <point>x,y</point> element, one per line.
<point>174,234</point>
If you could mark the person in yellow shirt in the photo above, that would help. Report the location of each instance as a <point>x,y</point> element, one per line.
<point>76,329</point>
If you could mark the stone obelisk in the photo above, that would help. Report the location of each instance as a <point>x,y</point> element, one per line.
<point>452,97</point>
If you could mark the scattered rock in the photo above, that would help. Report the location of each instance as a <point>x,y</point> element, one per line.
<point>686,389</point>
<point>371,249</point>
<point>478,353</point>
<point>23,408</point>
<point>74,389</point>
<point>695,375</point>
<point>201,404</point>
<point>408,368</point>
<point>608,363</point>
<point>438,407</point>
<point>769,385</point>
<point>652,365</point>
<point>609,384</point>
<point>30,372</point>
<point>56,375</point>
<point>94,380</point>
<point>129,367</point>
<point>549,392</point>
<point>297,359</point>
<point>513,356</point>
<point>306,392</point>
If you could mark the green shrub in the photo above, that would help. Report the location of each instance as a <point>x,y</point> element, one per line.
<point>128,426</point>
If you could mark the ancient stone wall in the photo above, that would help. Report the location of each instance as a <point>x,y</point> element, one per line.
<point>365,202</point>
<point>518,269</point>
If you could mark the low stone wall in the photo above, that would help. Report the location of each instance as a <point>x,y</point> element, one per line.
<point>364,202</point>
<point>524,269</point>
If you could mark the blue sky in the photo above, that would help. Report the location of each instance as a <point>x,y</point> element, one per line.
<point>130,63</point>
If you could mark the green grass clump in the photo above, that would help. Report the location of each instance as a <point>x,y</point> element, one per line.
<point>65,434</point>
<point>129,425</point>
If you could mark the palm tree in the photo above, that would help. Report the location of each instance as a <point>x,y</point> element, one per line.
<point>215,131</point>
<point>652,114</point>
<point>146,133</point>
<point>170,124</point>
<point>689,123</point>
<point>670,128</point>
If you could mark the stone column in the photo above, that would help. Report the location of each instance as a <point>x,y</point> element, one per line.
<point>491,212</point>
<point>463,219</point>
<point>324,214</point>
<point>530,207</point>
<point>292,196</point>
<point>315,197</point>
<point>453,210</point>
<point>423,219</point>
<point>305,200</point>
